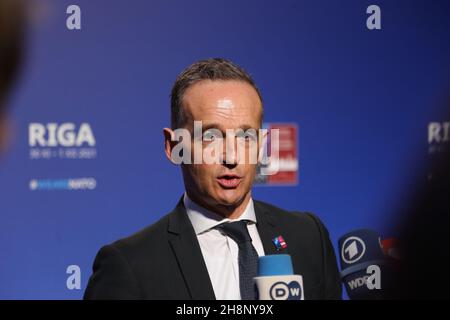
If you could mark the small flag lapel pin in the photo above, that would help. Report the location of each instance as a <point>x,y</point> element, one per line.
<point>279,243</point>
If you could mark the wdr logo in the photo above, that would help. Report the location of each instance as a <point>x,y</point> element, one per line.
<point>372,279</point>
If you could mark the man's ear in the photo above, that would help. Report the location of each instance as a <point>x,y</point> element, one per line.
<point>168,143</point>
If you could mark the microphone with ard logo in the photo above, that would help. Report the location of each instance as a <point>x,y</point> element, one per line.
<point>276,279</point>
<point>365,267</point>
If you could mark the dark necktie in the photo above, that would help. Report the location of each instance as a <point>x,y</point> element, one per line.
<point>247,257</point>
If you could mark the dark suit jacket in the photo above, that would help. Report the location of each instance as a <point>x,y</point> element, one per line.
<point>164,260</point>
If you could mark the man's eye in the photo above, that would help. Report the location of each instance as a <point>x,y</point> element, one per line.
<point>248,137</point>
<point>209,136</point>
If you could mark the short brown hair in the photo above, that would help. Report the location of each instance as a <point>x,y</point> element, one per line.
<point>209,69</point>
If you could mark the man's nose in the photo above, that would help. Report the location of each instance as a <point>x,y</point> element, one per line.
<point>230,154</point>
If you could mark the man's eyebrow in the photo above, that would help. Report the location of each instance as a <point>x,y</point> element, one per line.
<point>246,127</point>
<point>211,126</point>
<point>217,126</point>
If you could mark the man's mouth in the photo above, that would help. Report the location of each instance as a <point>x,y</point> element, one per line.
<point>229,181</point>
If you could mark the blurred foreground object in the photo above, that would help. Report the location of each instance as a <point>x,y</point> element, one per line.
<point>425,243</point>
<point>12,30</point>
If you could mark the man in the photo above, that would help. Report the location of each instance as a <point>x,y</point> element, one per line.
<point>208,247</point>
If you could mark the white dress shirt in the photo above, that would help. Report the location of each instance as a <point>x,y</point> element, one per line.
<point>219,251</point>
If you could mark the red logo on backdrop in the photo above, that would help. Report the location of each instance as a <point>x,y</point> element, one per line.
<point>286,164</point>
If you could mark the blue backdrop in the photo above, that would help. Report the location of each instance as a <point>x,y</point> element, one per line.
<point>362,99</point>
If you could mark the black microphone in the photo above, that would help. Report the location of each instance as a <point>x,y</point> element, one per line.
<point>366,269</point>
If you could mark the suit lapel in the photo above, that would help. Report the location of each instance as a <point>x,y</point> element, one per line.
<point>187,251</point>
<point>268,229</point>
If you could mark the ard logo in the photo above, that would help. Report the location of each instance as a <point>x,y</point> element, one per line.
<point>353,249</point>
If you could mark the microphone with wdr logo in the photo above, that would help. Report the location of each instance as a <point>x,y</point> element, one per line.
<point>276,279</point>
<point>365,266</point>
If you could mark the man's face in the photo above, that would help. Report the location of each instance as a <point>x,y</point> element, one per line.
<point>221,105</point>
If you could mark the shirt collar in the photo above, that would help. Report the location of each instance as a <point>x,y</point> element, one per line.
<point>203,220</point>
